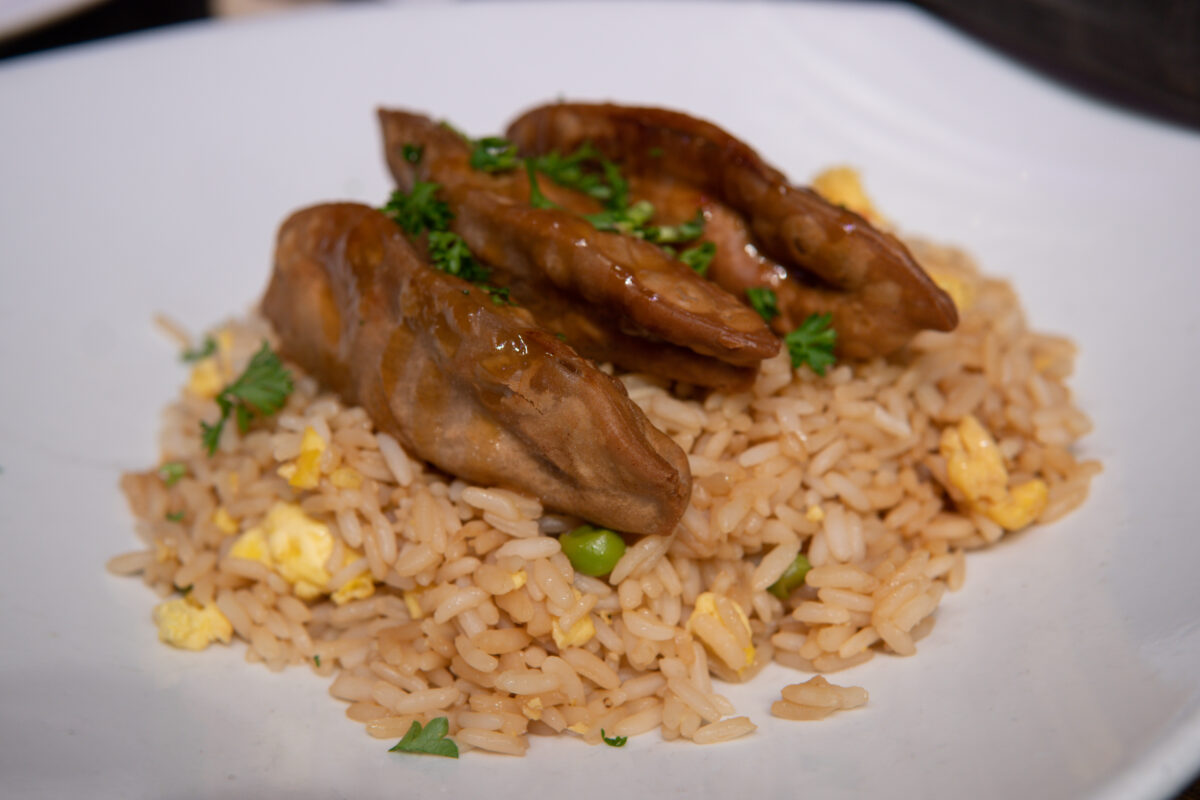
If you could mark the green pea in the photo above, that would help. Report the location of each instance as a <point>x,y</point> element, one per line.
<point>592,551</point>
<point>792,578</point>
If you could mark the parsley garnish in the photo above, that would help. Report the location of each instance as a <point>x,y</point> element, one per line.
<point>412,153</point>
<point>569,171</point>
<point>172,471</point>
<point>699,257</point>
<point>812,343</point>
<point>615,741</point>
<point>185,590</point>
<point>630,219</point>
<point>204,351</point>
<point>655,152</point>
<point>431,739</point>
<point>175,516</point>
<point>499,295</point>
<point>586,170</point>
<point>764,301</point>
<point>262,388</point>
<point>684,232</point>
<point>536,198</point>
<point>450,254</point>
<point>493,154</point>
<point>419,209</point>
<point>317,660</point>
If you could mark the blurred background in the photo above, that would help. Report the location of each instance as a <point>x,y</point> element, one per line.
<point>1142,55</point>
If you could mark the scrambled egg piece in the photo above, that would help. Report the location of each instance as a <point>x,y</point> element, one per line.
<point>360,587</point>
<point>975,466</point>
<point>532,709</point>
<point>412,601</point>
<point>579,633</point>
<point>184,623</point>
<point>814,514</point>
<point>519,579</point>
<point>1021,507</point>
<point>205,380</point>
<point>224,521</point>
<point>305,471</point>
<point>346,478</point>
<point>843,187</point>
<point>163,552</point>
<point>211,373</point>
<point>297,547</point>
<point>706,607</point>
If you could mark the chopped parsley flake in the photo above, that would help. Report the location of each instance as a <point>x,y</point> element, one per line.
<point>493,154</point>
<point>450,254</point>
<point>418,210</point>
<point>812,343</point>
<point>430,739</point>
<point>630,219</point>
<point>536,198</point>
<point>699,257</point>
<point>171,472</point>
<point>764,301</point>
<point>578,171</point>
<point>672,234</point>
<point>175,516</point>
<point>261,389</point>
<point>203,351</point>
<point>615,741</point>
<point>412,153</point>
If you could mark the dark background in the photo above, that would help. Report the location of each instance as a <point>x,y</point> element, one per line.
<point>1139,54</point>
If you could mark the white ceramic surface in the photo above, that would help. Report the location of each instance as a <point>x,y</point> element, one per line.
<point>150,174</point>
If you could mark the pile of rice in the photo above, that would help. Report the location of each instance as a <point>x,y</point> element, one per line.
<point>472,612</point>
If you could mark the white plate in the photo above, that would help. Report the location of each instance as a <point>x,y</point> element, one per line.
<point>150,174</point>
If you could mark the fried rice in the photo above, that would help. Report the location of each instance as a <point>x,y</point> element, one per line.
<point>434,598</point>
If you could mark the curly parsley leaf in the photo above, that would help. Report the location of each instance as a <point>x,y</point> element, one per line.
<point>430,739</point>
<point>171,472</point>
<point>615,741</point>
<point>699,257</point>
<point>203,351</point>
<point>812,343</point>
<point>493,154</point>
<point>764,301</point>
<point>412,153</point>
<point>261,389</point>
<point>419,209</point>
